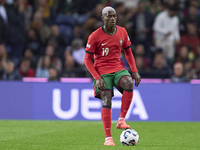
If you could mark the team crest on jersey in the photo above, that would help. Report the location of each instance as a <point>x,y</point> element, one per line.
<point>88,45</point>
<point>120,42</point>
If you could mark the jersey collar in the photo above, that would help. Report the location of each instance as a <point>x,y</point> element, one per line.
<point>110,33</point>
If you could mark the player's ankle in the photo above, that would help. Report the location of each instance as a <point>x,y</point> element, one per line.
<point>120,118</point>
<point>108,138</point>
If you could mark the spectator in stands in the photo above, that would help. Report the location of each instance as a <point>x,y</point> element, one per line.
<point>155,6</point>
<point>139,63</point>
<point>160,68</point>
<point>78,51</point>
<point>179,74</point>
<point>41,29</point>
<point>16,30</point>
<point>3,23</point>
<point>191,38</point>
<point>141,28</point>
<point>94,21</point>
<point>45,7</point>
<point>10,73</point>
<point>78,32</point>
<point>192,16</point>
<point>140,51</point>
<point>61,6</point>
<point>77,6</point>
<point>53,74</point>
<point>2,59</point>
<point>33,41</point>
<point>55,33</point>
<point>194,3</point>
<point>142,68</point>
<point>188,65</point>
<point>167,32</point>
<point>122,13</point>
<point>3,54</point>
<point>57,41</point>
<point>58,50</point>
<point>71,69</point>
<point>46,29</point>
<point>189,71</point>
<point>183,55</point>
<point>43,70</point>
<point>197,67</point>
<point>28,12</point>
<point>129,4</point>
<point>56,62</point>
<point>28,54</point>
<point>198,50</point>
<point>25,69</point>
<point>172,2</point>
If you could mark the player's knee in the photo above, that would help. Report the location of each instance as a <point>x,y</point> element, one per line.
<point>129,84</point>
<point>106,97</point>
<point>106,103</point>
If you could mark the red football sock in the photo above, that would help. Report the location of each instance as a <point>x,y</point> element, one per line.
<point>106,118</point>
<point>126,102</point>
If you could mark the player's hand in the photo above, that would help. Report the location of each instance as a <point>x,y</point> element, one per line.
<point>136,76</point>
<point>100,84</point>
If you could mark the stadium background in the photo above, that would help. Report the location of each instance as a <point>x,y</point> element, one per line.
<point>44,40</point>
<point>43,78</point>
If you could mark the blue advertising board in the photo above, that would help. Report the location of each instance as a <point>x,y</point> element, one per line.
<point>75,101</point>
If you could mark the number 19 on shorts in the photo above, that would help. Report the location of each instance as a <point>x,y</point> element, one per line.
<point>105,51</point>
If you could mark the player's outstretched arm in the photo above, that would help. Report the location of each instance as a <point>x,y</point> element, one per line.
<point>131,61</point>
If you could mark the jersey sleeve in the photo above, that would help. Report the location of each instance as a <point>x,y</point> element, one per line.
<point>127,42</point>
<point>91,45</point>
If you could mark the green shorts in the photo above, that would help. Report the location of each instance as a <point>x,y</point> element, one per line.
<point>112,79</point>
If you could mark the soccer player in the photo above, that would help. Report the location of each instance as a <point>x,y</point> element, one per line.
<point>105,44</point>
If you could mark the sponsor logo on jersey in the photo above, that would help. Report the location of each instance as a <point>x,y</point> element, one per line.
<point>88,45</point>
<point>104,44</point>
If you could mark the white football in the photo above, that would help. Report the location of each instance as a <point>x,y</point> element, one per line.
<point>129,137</point>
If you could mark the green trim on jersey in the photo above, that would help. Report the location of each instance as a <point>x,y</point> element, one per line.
<point>89,52</point>
<point>127,47</point>
<point>109,33</point>
<point>111,80</point>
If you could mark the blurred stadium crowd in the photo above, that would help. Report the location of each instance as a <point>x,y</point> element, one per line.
<point>47,38</point>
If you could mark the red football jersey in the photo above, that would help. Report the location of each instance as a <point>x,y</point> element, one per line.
<point>107,49</point>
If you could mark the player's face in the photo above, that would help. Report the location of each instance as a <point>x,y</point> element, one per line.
<point>110,19</point>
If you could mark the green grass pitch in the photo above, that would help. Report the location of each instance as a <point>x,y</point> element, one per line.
<point>89,135</point>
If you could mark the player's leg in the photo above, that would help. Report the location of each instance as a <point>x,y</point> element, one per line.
<point>125,86</point>
<point>106,97</point>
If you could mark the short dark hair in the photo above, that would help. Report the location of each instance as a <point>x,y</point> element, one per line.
<point>191,21</point>
<point>118,4</point>
<point>174,7</point>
